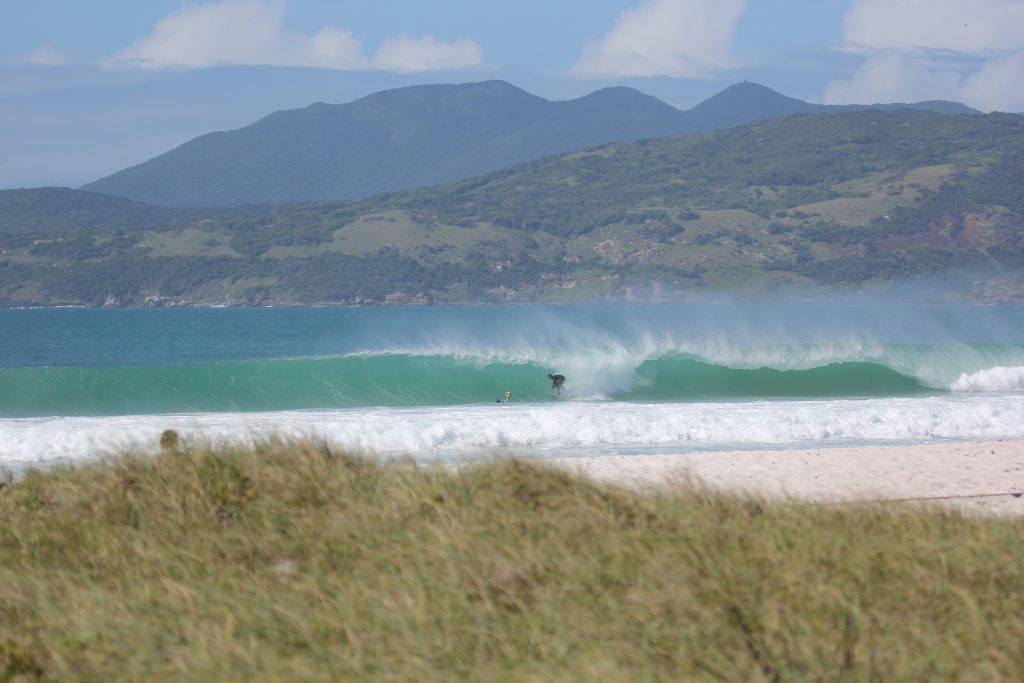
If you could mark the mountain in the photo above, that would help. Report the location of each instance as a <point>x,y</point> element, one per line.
<point>418,136</point>
<point>61,210</point>
<point>391,140</point>
<point>746,102</point>
<point>794,204</point>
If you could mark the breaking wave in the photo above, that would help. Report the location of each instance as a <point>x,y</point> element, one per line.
<point>412,379</point>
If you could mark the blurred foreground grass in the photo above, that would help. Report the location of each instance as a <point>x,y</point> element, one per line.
<point>290,561</point>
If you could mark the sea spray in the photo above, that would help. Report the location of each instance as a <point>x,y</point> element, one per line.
<point>992,379</point>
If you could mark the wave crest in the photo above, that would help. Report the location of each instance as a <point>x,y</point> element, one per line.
<point>993,379</point>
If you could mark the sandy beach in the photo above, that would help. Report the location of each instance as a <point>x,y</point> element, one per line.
<point>983,476</point>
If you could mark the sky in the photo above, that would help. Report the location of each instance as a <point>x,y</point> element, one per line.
<point>88,87</point>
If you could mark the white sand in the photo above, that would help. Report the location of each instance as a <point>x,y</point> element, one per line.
<point>981,476</point>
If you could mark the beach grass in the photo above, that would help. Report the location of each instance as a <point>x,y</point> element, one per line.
<point>291,561</point>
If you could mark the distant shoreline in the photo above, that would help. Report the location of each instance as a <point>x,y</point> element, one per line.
<point>707,297</point>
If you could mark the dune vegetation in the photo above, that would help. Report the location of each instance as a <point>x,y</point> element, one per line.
<point>293,561</point>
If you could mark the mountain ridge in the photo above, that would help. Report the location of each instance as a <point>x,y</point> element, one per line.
<point>422,135</point>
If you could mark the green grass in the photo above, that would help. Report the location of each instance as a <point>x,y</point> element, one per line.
<point>296,562</point>
<point>190,242</point>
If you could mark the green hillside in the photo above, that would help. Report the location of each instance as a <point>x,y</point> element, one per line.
<point>60,209</point>
<point>797,204</point>
<point>422,135</point>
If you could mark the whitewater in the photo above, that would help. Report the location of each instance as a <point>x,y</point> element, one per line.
<point>423,382</point>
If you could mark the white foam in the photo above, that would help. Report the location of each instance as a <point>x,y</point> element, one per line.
<point>992,379</point>
<point>551,429</point>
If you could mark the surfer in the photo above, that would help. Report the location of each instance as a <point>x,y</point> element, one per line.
<point>508,395</point>
<point>556,382</point>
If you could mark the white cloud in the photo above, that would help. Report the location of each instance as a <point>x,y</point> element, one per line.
<point>226,32</point>
<point>665,38</point>
<point>408,53</point>
<point>252,32</point>
<point>968,26</point>
<point>893,77</point>
<point>331,47</point>
<point>970,51</point>
<point>45,55</point>
<point>998,85</point>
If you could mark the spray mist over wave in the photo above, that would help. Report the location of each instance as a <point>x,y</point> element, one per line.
<point>604,348</point>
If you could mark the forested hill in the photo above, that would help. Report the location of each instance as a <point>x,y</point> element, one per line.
<point>48,210</point>
<point>422,135</point>
<point>798,204</point>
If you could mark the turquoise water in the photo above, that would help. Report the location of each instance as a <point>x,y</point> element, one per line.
<point>404,380</point>
<point>427,378</point>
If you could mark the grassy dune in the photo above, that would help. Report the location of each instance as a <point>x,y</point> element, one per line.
<point>295,562</point>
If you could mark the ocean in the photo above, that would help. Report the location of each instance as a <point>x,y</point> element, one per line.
<point>429,382</point>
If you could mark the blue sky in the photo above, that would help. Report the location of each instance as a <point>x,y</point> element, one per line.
<point>89,87</point>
